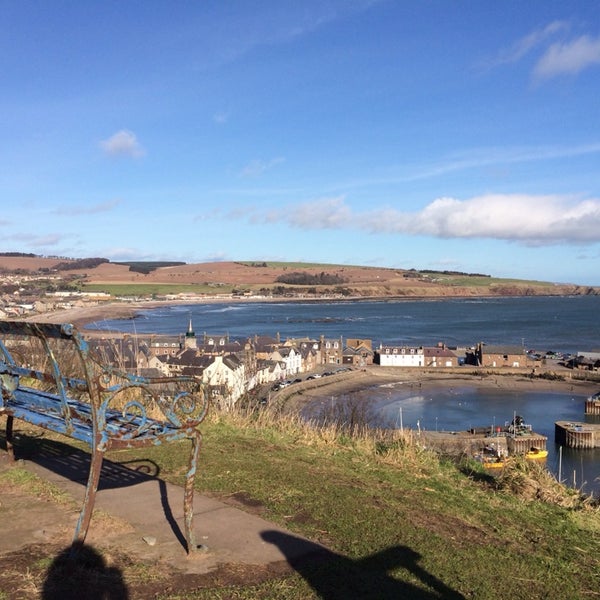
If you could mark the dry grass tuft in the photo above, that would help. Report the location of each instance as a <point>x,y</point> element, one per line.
<point>532,481</point>
<point>390,446</point>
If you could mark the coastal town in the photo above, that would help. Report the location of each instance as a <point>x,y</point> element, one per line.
<point>232,368</point>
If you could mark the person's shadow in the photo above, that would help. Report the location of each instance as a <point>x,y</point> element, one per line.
<point>336,577</point>
<point>79,571</point>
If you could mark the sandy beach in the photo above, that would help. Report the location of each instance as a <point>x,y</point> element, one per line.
<point>83,315</point>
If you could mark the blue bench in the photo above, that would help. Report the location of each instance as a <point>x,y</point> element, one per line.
<point>50,378</point>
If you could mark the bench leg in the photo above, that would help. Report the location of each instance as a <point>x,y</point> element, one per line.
<point>90,496</point>
<point>9,438</point>
<point>188,499</point>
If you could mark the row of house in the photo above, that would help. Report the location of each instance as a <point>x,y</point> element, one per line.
<point>230,368</point>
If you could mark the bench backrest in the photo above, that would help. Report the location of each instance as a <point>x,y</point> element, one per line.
<point>53,366</point>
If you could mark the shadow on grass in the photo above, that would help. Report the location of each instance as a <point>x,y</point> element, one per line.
<point>478,476</point>
<point>74,464</point>
<point>79,571</point>
<point>336,577</point>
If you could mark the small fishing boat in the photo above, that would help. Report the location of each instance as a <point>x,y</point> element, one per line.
<point>515,439</point>
<point>490,457</point>
<point>536,454</point>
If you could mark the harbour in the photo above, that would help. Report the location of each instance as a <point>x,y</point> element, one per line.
<point>558,324</point>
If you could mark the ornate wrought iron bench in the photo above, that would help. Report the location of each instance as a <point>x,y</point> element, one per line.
<point>50,378</point>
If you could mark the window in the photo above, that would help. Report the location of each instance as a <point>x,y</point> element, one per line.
<point>395,350</point>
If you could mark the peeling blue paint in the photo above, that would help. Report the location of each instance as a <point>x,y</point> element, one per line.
<point>105,408</point>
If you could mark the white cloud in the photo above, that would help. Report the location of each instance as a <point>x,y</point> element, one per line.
<point>124,253</point>
<point>526,219</point>
<point>220,256</point>
<point>87,210</point>
<point>531,220</point>
<point>39,241</point>
<point>123,143</point>
<point>568,58</point>
<point>257,167</point>
<point>324,213</point>
<point>527,43</point>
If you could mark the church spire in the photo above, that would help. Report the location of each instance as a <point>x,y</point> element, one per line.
<point>190,336</point>
<point>190,332</point>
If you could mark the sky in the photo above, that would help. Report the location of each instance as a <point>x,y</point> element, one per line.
<point>431,134</point>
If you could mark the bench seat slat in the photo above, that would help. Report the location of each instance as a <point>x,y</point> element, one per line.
<point>44,410</point>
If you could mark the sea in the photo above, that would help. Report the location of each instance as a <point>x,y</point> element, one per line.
<point>559,325</point>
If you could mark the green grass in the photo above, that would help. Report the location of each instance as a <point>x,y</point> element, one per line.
<point>483,282</point>
<point>33,485</point>
<point>403,519</point>
<point>398,521</point>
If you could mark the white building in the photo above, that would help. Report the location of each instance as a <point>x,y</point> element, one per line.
<point>400,356</point>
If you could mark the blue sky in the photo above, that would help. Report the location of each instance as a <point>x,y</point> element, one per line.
<point>425,134</point>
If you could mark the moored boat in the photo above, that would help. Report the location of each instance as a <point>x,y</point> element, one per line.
<point>518,440</point>
<point>536,454</point>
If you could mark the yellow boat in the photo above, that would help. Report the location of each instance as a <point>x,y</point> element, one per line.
<point>536,454</point>
<point>491,463</point>
<point>490,458</point>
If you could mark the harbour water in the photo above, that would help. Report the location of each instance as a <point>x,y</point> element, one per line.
<point>561,324</point>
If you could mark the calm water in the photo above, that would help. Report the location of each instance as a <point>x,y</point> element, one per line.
<point>558,324</point>
<point>565,324</point>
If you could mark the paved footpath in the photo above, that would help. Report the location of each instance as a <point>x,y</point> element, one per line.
<point>154,511</point>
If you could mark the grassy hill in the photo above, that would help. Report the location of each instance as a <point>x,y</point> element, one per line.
<point>276,278</point>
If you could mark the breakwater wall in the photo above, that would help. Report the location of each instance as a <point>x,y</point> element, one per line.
<point>577,435</point>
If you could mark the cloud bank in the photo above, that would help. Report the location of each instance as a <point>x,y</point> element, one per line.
<point>525,219</point>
